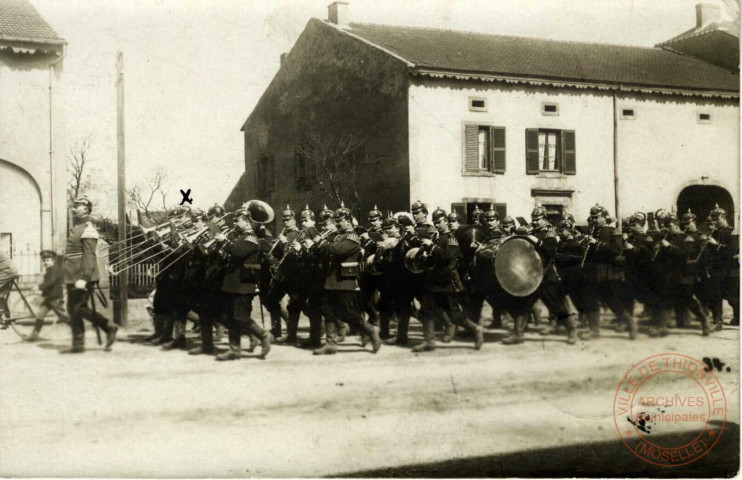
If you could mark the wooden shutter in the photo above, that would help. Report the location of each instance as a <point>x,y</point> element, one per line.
<point>460,208</point>
<point>501,209</point>
<point>532,151</point>
<point>497,158</point>
<point>471,146</point>
<point>569,157</point>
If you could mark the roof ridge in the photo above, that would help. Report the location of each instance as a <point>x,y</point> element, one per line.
<point>506,36</point>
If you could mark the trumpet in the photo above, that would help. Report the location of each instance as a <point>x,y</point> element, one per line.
<point>587,247</point>
<point>209,245</point>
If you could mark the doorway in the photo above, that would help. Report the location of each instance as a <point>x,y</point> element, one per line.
<point>701,199</point>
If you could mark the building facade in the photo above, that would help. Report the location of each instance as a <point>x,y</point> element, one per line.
<point>32,165</point>
<point>473,119</point>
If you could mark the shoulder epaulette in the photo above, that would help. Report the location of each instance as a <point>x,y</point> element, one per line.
<point>89,232</point>
<point>452,241</point>
<point>252,238</point>
<point>690,239</point>
<point>353,236</point>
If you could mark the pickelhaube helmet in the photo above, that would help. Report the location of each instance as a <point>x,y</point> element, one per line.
<point>508,222</point>
<point>568,217</point>
<point>375,214</point>
<point>343,212</point>
<point>638,219</point>
<point>565,225</point>
<point>598,211</point>
<point>215,210</point>
<point>491,214</point>
<point>288,214</point>
<point>83,201</point>
<point>325,215</point>
<point>718,212</point>
<point>538,213</point>
<point>177,211</point>
<point>670,218</point>
<point>688,217</point>
<point>242,212</point>
<point>454,216</point>
<point>390,221</point>
<point>199,214</point>
<point>307,213</point>
<point>417,207</point>
<point>476,213</point>
<point>439,214</point>
<point>660,215</point>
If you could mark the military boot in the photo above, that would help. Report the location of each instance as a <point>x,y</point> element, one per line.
<point>478,337</point>
<point>375,339</point>
<point>207,340</point>
<point>234,353</point>
<point>660,329</point>
<point>179,339</point>
<point>428,344</point>
<point>111,332</point>
<point>78,344</point>
<point>157,321</point>
<point>166,331</point>
<point>342,331</point>
<point>330,346</point>
<point>519,327</point>
<point>34,336</point>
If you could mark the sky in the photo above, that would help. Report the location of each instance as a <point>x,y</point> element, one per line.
<point>194,70</point>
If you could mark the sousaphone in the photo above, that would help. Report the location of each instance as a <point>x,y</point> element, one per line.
<point>260,212</point>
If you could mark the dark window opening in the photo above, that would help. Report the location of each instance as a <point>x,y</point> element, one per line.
<point>628,112</point>
<point>477,103</point>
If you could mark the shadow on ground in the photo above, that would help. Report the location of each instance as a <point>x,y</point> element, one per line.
<point>603,459</point>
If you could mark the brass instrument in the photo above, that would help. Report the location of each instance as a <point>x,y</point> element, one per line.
<point>587,247</point>
<point>658,247</point>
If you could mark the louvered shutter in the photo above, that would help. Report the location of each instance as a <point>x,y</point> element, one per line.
<point>460,208</point>
<point>532,151</point>
<point>472,148</point>
<point>501,209</point>
<point>568,143</point>
<point>497,141</point>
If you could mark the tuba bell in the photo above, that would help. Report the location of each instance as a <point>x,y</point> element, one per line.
<point>260,212</point>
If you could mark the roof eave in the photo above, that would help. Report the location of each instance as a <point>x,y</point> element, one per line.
<point>47,45</point>
<point>571,83</point>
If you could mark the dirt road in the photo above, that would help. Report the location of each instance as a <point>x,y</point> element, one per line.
<point>522,410</point>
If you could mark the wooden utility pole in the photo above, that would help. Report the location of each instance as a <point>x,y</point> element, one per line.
<point>123,276</point>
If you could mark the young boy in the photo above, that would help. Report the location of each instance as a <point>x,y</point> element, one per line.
<point>51,290</point>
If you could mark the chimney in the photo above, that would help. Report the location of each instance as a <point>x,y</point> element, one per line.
<point>283,57</point>
<point>337,13</point>
<point>706,13</point>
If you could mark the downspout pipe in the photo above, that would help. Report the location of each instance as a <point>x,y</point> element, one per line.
<point>51,156</point>
<point>615,163</point>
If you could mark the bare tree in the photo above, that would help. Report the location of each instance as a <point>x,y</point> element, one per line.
<point>154,188</point>
<point>79,181</point>
<point>337,161</point>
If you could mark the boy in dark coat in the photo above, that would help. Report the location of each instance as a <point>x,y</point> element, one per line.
<point>51,291</point>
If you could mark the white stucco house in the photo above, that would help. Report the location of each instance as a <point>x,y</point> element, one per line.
<point>32,163</point>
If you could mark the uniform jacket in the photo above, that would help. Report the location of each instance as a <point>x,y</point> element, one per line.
<point>424,230</point>
<point>344,248</point>
<point>81,260</point>
<point>442,274</point>
<point>728,248</point>
<point>548,243</point>
<point>243,265</point>
<point>602,256</point>
<point>51,287</point>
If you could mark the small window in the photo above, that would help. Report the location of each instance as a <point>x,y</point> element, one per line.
<point>477,104</point>
<point>484,149</point>
<point>549,108</point>
<point>704,118</point>
<point>627,114</point>
<point>550,151</point>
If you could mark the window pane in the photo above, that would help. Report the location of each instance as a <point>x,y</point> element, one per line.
<point>551,142</point>
<point>482,141</point>
<point>541,148</point>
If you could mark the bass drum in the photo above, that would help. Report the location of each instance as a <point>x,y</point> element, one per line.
<point>415,261</point>
<point>519,266</point>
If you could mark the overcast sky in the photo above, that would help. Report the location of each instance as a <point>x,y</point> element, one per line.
<point>195,69</point>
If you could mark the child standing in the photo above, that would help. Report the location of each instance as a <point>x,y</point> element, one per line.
<point>51,290</point>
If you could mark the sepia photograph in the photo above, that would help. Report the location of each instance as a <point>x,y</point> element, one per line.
<point>369,238</point>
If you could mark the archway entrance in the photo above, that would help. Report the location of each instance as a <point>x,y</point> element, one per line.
<point>701,199</point>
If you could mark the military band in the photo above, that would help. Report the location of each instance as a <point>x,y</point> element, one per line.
<point>346,277</point>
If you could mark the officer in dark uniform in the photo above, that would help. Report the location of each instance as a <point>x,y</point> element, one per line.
<point>568,262</point>
<point>81,276</point>
<point>396,295</point>
<point>370,284</point>
<point>481,273</point>
<point>310,281</point>
<point>442,283</point>
<point>507,226</point>
<point>454,221</point>
<point>605,279</point>
<point>727,261</point>
<point>550,291</point>
<point>638,250</point>
<point>242,273</point>
<point>341,284</point>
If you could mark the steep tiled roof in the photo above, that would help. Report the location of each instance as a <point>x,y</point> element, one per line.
<point>19,21</point>
<point>433,50</point>
<point>731,28</point>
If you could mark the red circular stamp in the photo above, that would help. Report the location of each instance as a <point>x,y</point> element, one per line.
<point>670,409</point>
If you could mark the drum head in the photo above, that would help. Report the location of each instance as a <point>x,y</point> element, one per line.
<point>468,234</point>
<point>519,267</point>
<point>412,262</point>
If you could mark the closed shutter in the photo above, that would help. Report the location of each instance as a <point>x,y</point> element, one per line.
<point>460,208</point>
<point>568,143</point>
<point>471,147</point>
<point>501,209</point>
<point>532,151</point>
<point>498,149</point>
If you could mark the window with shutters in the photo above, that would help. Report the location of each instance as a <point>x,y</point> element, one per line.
<point>484,149</point>
<point>302,171</point>
<point>550,151</point>
<point>266,172</point>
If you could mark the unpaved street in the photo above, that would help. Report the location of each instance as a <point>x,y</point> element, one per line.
<point>523,410</point>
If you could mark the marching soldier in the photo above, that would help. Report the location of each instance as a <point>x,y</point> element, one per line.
<point>285,271</point>
<point>341,284</point>
<point>81,276</point>
<point>454,221</point>
<point>370,284</point>
<point>550,291</point>
<point>638,250</point>
<point>727,262</point>
<point>480,270</point>
<point>508,226</point>
<point>311,279</point>
<point>442,283</point>
<point>604,277</point>
<point>239,286</point>
<point>396,295</point>
<point>568,261</point>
